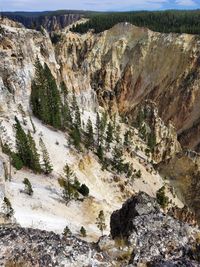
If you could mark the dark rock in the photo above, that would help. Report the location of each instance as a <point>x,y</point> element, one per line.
<point>121,220</point>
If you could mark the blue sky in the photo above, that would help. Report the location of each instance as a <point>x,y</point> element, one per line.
<point>107,5</point>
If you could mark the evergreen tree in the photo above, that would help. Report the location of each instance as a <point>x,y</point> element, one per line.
<point>69,184</point>
<point>151,141</point>
<point>26,148</point>
<point>127,138</point>
<point>117,132</point>
<point>100,152</point>
<point>76,136</point>
<point>100,222</point>
<point>45,97</point>
<point>89,135</point>
<point>22,144</point>
<point>109,135</point>
<point>98,128</point>
<point>28,187</point>
<point>103,124</point>
<point>76,111</point>
<point>7,208</point>
<point>47,166</point>
<point>118,162</point>
<point>54,101</point>
<point>34,156</point>
<point>67,231</point>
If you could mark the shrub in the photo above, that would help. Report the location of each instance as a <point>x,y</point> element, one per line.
<point>28,187</point>
<point>67,231</point>
<point>162,199</point>
<point>84,190</point>
<point>83,232</point>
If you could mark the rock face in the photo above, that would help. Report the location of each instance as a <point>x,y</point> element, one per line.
<point>28,247</point>
<point>51,22</point>
<point>152,235</point>
<point>121,220</point>
<point>184,170</point>
<point>161,137</point>
<point>126,65</point>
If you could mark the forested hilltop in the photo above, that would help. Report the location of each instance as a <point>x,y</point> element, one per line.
<point>160,21</point>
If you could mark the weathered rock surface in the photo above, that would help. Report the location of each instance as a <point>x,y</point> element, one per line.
<point>51,22</point>
<point>28,247</point>
<point>153,235</point>
<point>184,171</point>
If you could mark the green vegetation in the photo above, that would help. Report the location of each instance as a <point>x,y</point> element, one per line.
<point>45,97</point>
<point>26,149</point>
<point>71,186</point>
<point>100,222</point>
<point>162,199</point>
<point>84,190</point>
<point>67,231</point>
<point>28,187</point>
<point>83,232</point>
<point>46,165</point>
<point>7,208</point>
<point>160,21</point>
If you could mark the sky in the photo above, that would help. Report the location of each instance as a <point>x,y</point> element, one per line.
<point>100,5</point>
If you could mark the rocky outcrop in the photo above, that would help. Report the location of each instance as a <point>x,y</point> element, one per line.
<point>27,247</point>
<point>152,235</point>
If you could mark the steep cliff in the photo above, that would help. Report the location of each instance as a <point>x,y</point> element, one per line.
<point>51,21</point>
<point>126,65</point>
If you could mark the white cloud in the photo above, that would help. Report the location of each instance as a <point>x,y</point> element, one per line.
<point>185,3</point>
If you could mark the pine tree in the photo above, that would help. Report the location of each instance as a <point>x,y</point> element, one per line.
<point>127,138</point>
<point>100,222</point>
<point>89,135</point>
<point>103,124</point>
<point>100,152</point>
<point>98,128</point>
<point>109,135</point>
<point>69,184</point>
<point>22,145</point>
<point>76,136</point>
<point>28,187</point>
<point>7,208</point>
<point>118,162</point>
<point>34,156</point>
<point>76,111</point>
<point>39,101</point>
<point>67,231</point>
<point>54,101</point>
<point>117,134</point>
<point>45,97</point>
<point>47,166</point>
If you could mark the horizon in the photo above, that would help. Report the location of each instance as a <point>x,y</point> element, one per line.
<point>98,5</point>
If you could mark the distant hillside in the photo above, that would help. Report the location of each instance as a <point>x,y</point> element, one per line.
<point>160,21</point>
<point>51,20</point>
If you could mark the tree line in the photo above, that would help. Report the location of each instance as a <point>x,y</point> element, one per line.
<point>160,21</point>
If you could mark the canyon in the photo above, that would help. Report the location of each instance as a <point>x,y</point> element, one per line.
<point>124,71</point>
